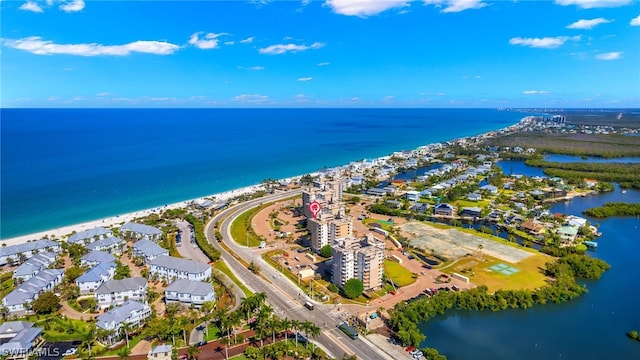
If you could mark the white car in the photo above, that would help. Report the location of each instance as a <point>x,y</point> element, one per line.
<point>70,351</point>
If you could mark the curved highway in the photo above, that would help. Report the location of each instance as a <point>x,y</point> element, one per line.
<point>284,296</point>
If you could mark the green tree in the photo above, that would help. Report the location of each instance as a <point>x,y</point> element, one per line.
<point>192,351</point>
<point>326,251</point>
<point>72,273</point>
<point>353,288</point>
<point>124,353</point>
<point>46,303</point>
<point>122,271</point>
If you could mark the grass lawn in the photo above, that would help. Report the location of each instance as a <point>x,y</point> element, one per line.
<point>242,231</point>
<point>529,275</point>
<point>214,333</point>
<point>58,329</point>
<point>222,266</point>
<point>483,204</point>
<point>398,274</point>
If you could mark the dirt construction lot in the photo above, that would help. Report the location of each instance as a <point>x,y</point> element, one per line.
<point>455,244</point>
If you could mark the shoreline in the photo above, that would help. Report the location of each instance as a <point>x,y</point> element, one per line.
<point>60,233</point>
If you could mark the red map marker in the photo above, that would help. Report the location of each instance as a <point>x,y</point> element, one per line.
<point>315,208</point>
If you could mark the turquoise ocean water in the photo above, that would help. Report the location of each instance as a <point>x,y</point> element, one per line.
<point>65,166</point>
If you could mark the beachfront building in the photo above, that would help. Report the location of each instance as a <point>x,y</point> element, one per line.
<point>96,257</point>
<point>19,338</point>
<point>148,250</point>
<point>171,268</point>
<point>34,265</point>
<point>160,352</point>
<point>327,228</point>
<point>17,302</point>
<point>21,252</point>
<point>362,259</point>
<point>88,236</point>
<point>112,244</point>
<point>192,293</point>
<point>136,231</point>
<point>131,312</point>
<point>116,292</point>
<point>96,276</point>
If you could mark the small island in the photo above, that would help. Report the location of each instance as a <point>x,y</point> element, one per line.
<point>614,209</point>
<point>633,334</point>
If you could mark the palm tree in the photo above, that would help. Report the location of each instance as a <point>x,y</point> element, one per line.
<point>311,329</point>
<point>192,351</point>
<point>226,341</point>
<point>124,353</point>
<point>88,339</point>
<point>296,325</point>
<point>184,323</point>
<point>126,328</point>
<point>286,324</point>
<point>273,323</point>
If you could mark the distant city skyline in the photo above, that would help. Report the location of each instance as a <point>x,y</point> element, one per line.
<point>330,53</point>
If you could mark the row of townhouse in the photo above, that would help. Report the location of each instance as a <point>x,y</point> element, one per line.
<point>172,268</point>
<point>131,312</point>
<point>148,250</point>
<point>90,235</point>
<point>100,238</point>
<point>136,231</point>
<point>116,292</point>
<point>189,292</point>
<point>34,265</point>
<point>17,301</point>
<point>96,276</point>
<point>16,253</point>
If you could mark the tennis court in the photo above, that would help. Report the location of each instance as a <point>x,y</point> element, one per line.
<point>504,269</point>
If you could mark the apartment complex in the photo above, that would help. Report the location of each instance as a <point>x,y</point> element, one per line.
<point>362,259</point>
<point>331,223</point>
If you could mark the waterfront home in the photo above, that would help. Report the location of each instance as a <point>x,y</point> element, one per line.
<point>390,189</point>
<point>567,233</point>
<point>21,252</point>
<point>555,193</point>
<point>94,277</point>
<point>136,231</point>
<point>160,352</point>
<point>131,312</point>
<point>413,195</point>
<point>394,204</point>
<point>471,212</point>
<point>34,265</point>
<point>88,236</point>
<point>576,221</point>
<point>18,300</point>
<point>189,292</point>
<point>112,244</point>
<point>115,292</point>
<point>532,228</point>
<point>19,338</point>
<point>170,268</point>
<point>444,209</point>
<point>420,207</point>
<point>590,182</point>
<point>376,192</point>
<point>148,250</point>
<point>96,257</point>
<point>474,197</point>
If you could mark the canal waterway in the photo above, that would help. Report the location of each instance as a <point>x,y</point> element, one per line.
<point>590,327</point>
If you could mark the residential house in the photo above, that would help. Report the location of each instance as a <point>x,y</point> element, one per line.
<point>148,250</point>
<point>94,277</point>
<point>161,352</point>
<point>139,231</point>
<point>131,312</point>
<point>444,209</point>
<point>189,292</point>
<point>567,233</point>
<point>169,268</point>
<point>471,212</point>
<point>413,195</point>
<point>576,221</point>
<point>376,192</point>
<point>34,265</point>
<point>474,197</point>
<point>18,339</point>
<point>18,300</point>
<point>532,228</point>
<point>21,252</point>
<point>590,182</point>
<point>96,257</point>
<point>88,236</point>
<point>420,207</point>
<point>112,244</point>
<point>394,204</point>
<point>356,180</point>
<point>115,292</point>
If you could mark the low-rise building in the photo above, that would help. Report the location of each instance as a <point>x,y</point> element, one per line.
<point>96,257</point>
<point>160,352</point>
<point>113,245</point>
<point>189,292</point>
<point>96,276</point>
<point>135,231</point>
<point>34,265</point>
<point>171,268</point>
<point>567,233</point>
<point>22,252</point>
<point>444,209</point>
<point>131,312</point>
<point>148,250</point>
<point>17,301</point>
<point>18,339</point>
<point>413,195</point>
<point>116,292</point>
<point>88,236</point>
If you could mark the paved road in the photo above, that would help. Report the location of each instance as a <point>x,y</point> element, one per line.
<point>284,296</point>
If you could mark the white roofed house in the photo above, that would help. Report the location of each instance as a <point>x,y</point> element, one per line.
<point>88,236</point>
<point>18,301</point>
<point>189,292</point>
<point>170,268</point>
<point>21,252</point>
<point>96,257</point>
<point>139,231</point>
<point>160,352</point>
<point>33,266</point>
<point>130,312</point>
<point>148,250</point>
<point>112,244</point>
<point>115,292</point>
<point>94,277</point>
<point>18,339</point>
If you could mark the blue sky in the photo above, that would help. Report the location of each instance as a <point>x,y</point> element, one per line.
<point>330,53</point>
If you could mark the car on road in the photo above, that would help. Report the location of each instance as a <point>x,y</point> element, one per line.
<point>201,343</point>
<point>70,351</point>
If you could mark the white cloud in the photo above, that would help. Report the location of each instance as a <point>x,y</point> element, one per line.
<point>208,41</point>
<point>363,8</point>
<point>535,92</point>
<point>102,94</point>
<point>31,6</point>
<point>36,45</point>
<point>72,6</point>
<point>254,68</point>
<point>248,40</point>
<point>635,21</point>
<point>546,42</point>
<point>614,55</point>
<point>325,63</point>
<point>229,42</point>
<point>251,98</point>
<point>451,6</point>
<point>588,24</point>
<point>309,78</point>
<point>590,4</point>
<point>285,48</point>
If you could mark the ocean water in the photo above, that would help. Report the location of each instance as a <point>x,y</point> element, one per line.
<point>64,166</point>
